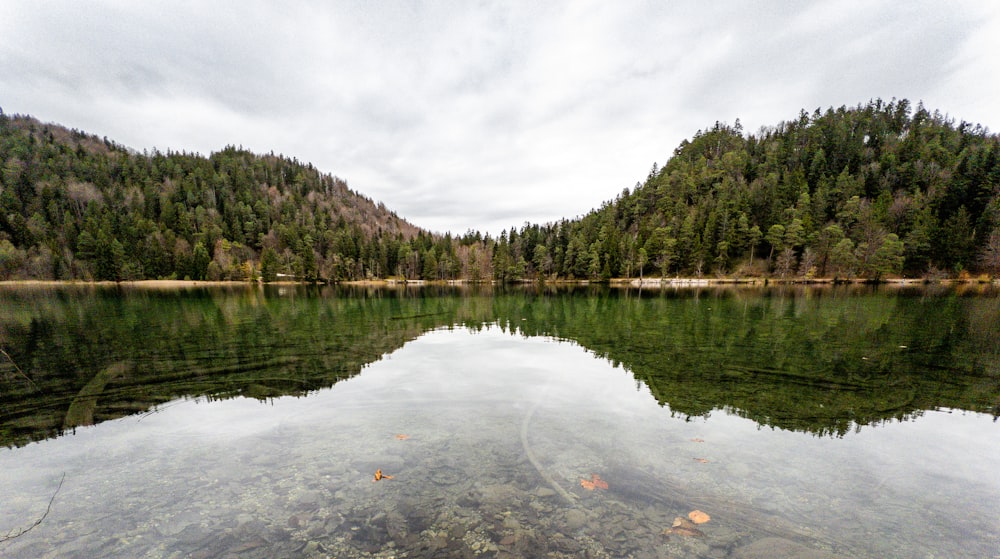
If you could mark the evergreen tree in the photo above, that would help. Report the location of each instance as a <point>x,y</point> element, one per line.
<point>269,265</point>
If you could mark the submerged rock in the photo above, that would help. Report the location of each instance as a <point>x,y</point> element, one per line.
<point>543,492</point>
<point>575,519</point>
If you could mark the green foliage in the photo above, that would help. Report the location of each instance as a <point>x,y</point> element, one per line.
<point>269,265</point>
<point>846,192</point>
<point>841,192</point>
<point>11,259</point>
<point>888,258</point>
<point>199,261</point>
<point>843,263</point>
<point>75,206</point>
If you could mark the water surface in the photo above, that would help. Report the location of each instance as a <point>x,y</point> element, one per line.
<point>250,423</point>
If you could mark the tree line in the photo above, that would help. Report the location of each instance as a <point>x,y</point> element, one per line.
<point>74,206</point>
<point>880,189</point>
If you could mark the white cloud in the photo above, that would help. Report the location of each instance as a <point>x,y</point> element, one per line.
<point>463,116</point>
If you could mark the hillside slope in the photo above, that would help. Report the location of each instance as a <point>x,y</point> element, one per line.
<point>75,206</point>
<point>872,191</point>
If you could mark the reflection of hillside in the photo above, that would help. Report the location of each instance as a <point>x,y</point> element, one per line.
<point>98,355</point>
<point>811,361</point>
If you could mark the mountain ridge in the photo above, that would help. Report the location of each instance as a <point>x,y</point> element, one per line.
<point>71,196</point>
<point>877,190</point>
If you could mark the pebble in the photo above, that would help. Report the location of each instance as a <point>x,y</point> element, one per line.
<point>543,492</point>
<point>575,519</point>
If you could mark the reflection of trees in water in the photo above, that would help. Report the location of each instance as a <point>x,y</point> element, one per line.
<point>809,360</point>
<point>161,346</point>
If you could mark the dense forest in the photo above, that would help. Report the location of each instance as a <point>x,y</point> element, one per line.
<point>879,190</point>
<point>74,206</point>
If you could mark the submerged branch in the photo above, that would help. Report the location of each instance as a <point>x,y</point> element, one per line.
<point>542,472</point>
<point>18,369</point>
<point>11,535</point>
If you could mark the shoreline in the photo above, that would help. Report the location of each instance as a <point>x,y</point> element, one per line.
<point>614,282</point>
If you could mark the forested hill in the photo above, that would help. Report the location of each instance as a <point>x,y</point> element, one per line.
<point>75,206</point>
<point>877,190</point>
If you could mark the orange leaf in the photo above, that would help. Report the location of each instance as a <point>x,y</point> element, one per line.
<point>702,460</point>
<point>380,476</point>
<point>598,482</point>
<point>697,440</point>
<point>595,482</point>
<point>698,517</point>
<point>402,437</point>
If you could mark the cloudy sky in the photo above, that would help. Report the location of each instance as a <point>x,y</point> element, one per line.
<point>482,115</point>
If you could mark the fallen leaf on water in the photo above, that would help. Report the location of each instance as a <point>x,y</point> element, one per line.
<point>595,482</point>
<point>684,527</point>
<point>702,460</point>
<point>699,517</point>
<point>402,437</point>
<point>697,440</point>
<point>380,476</point>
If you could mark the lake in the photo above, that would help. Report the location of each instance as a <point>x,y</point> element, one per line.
<point>585,422</point>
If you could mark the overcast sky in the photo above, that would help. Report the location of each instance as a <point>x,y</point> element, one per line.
<point>480,115</point>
